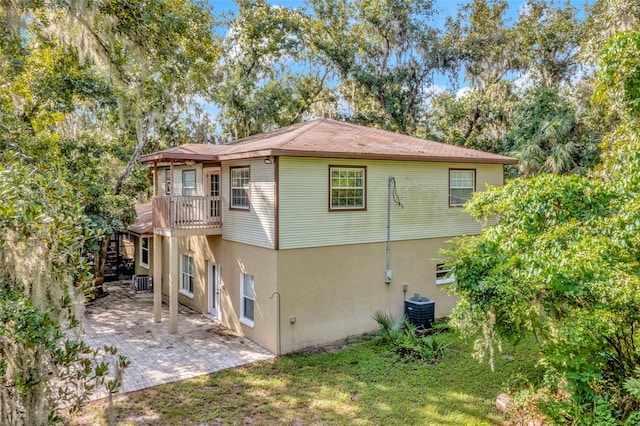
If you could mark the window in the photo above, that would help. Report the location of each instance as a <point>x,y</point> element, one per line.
<point>144,252</point>
<point>443,274</point>
<point>188,182</point>
<point>240,188</point>
<point>347,188</point>
<point>462,183</point>
<point>167,182</point>
<point>247,299</point>
<point>188,271</point>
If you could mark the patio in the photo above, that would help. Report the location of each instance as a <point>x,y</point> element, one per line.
<point>124,319</point>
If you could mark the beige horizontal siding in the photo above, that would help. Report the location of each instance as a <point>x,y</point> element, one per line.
<point>422,188</point>
<point>177,179</point>
<point>255,226</point>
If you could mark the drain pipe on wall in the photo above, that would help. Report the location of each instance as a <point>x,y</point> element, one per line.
<point>388,273</point>
<point>278,334</point>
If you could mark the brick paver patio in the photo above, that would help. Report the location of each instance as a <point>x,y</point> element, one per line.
<point>124,319</point>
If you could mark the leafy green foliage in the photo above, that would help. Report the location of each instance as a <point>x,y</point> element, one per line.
<point>562,261</point>
<point>384,53</point>
<point>43,279</point>
<point>407,340</point>
<point>547,136</point>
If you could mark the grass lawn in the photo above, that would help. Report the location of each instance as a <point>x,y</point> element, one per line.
<point>365,384</point>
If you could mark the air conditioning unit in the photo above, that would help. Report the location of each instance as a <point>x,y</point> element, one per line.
<point>142,283</point>
<point>420,311</point>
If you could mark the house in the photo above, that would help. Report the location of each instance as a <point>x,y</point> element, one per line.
<point>140,236</point>
<point>295,237</point>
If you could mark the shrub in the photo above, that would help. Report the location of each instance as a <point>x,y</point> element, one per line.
<point>407,340</point>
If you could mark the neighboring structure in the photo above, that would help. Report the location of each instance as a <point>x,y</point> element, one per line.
<point>141,236</point>
<point>283,236</point>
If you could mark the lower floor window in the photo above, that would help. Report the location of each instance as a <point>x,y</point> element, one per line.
<point>186,284</point>
<point>443,274</point>
<point>247,298</point>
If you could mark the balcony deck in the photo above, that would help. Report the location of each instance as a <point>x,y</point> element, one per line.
<point>201,213</point>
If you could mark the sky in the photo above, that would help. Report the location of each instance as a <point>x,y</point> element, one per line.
<point>444,8</point>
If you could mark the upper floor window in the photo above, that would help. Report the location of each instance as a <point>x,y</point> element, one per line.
<point>347,188</point>
<point>240,187</point>
<point>462,184</point>
<point>167,182</point>
<point>188,182</point>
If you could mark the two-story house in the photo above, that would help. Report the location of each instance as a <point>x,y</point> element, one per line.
<point>295,237</point>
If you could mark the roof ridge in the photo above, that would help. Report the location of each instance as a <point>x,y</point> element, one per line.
<point>264,135</point>
<point>443,144</point>
<point>303,129</point>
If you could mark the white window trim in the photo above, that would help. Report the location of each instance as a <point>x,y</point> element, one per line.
<point>184,291</point>
<point>445,280</point>
<point>167,181</point>
<point>245,188</point>
<point>142,249</point>
<point>363,206</point>
<point>195,183</point>
<point>453,203</point>
<point>243,319</point>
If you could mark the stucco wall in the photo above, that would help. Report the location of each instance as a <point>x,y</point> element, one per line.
<point>139,269</point>
<point>233,259</point>
<point>332,292</point>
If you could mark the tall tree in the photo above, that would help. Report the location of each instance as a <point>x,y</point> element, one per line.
<point>384,54</point>
<point>547,39</point>
<point>83,88</point>
<point>478,116</point>
<point>562,261</point>
<point>267,78</point>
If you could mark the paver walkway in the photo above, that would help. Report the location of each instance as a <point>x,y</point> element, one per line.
<point>124,319</point>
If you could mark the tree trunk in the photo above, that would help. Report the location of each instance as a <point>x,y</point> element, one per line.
<point>143,140</point>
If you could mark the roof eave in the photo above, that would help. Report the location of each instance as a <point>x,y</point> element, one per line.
<point>366,156</point>
<point>163,156</point>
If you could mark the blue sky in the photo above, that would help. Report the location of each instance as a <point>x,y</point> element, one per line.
<point>444,8</point>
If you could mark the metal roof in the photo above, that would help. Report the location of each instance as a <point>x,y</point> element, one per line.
<point>331,139</point>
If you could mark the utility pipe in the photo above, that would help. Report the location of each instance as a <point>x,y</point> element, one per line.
<point>279,344</point>
<point>388,273</point>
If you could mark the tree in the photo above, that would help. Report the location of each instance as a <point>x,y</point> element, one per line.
<point>547,39</point>
<point>84,88</point>
<point>43,277</point>
<point>562,262</point>
<point>268,80</point>
<point>484,48</point>
<point>546,134</point>
<point>384,53</point>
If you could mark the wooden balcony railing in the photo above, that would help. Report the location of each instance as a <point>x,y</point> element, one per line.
<point>186,212</point>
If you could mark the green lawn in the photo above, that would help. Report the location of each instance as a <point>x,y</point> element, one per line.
<point>365,384</point>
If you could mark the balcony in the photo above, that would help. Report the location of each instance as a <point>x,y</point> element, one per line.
<point>187,213</point>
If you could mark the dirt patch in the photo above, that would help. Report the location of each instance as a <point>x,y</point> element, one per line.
<point>338,345</point>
